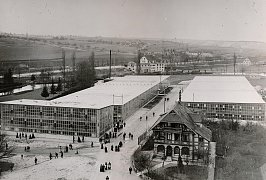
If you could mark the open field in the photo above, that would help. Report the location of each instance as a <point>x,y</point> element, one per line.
<point>21,49</point>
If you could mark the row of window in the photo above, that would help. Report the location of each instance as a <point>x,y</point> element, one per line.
<point>224,106</point>
<point>69,133</point>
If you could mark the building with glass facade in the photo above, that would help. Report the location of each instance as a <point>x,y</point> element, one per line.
<point>90,112</point>
<point>224,97</point>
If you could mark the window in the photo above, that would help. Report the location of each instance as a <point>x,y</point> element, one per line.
<point>201,139</point>
<point>176,137</point>
<point>169,136</point>
<point>185,151</point>
<point>176,150</point>
<point>185,138</point>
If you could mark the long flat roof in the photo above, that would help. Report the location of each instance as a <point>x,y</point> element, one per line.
<point>224,89</point>
<point>116,92</point>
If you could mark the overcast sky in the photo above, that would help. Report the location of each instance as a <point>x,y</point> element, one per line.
<point>182,19</point>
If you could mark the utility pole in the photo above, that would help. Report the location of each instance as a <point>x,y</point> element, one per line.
<point>64,67</point>
<point>234,63</point>
<point>110,64</point>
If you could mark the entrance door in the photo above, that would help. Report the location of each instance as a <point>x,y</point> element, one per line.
<point>169,151</point>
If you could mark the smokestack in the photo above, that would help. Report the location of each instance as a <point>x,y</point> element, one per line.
<point>179,100</point>
<point>234,63</point>
<point>110,64</point>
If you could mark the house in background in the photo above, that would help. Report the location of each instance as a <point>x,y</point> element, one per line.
<point>132,66</point>
<point>246,62</point>
<point>147,66</point>
<point>180,133</point>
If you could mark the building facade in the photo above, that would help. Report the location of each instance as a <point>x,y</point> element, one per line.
<point>90,112</point>
<point>180,133</point>
<point>225,97</point>
<point>147,66</point>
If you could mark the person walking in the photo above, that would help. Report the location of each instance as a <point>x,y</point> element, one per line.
<point>131,136</point>
<point>56,155</point>
<point>50,156</point>
<point>62,154</point>
<point>130,169</point>
<point>36,161</point>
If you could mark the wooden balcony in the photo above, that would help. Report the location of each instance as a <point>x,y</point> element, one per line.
<point>172,142</point>
<point>168,128</point>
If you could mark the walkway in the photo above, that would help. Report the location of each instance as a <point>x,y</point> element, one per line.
<point>211,166</point>
<point>121,161</point>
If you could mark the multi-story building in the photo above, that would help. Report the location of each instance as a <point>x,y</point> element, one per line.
<point>90,112</point>
<point>147,66</point>
<point>180,133</point>
<point>225,97</point>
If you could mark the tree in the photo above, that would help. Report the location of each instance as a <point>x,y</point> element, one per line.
<point>5,149</point>
<point>45,92</point>
<point>138,62</point>
<point>85,74</point>
<point>53,90</point>
<point>142,161</point>
<point>8,77</point>
<point>59,85</point>
<point>32,78</point>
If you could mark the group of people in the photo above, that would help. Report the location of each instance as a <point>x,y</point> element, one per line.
<point>130,136</point>
<point>22,135</point>
<point>56,155</point>
<point>105,167</point>
<point>79,140</point>
<point>153,114</point>
<point>117,148</point>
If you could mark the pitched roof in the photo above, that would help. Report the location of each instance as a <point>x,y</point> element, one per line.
<point>183,115</point>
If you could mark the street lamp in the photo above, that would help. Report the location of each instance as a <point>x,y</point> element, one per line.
<point>164,105</point>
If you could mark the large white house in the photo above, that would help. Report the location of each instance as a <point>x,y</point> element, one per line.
<point>147,66</point>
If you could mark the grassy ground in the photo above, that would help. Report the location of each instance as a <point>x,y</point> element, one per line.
<point>5,166</point>
<point>246,151</point>
<point>190,173</point>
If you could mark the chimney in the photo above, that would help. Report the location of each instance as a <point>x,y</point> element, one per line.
<point>110,64</point>
<point>179,100</point>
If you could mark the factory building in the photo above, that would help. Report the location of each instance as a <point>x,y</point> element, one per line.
<point>224,97</point>
<point>90,112</point>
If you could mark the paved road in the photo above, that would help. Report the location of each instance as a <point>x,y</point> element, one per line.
<point>121,161</point>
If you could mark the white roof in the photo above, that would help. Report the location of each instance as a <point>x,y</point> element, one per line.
<point>116,92</point>
<point>224,89</point>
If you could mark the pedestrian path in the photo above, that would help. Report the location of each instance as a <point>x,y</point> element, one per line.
<point>121,161</point>
<point>211,166</point>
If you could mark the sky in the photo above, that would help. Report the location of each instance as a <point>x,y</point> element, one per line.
<point>236,20</point>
